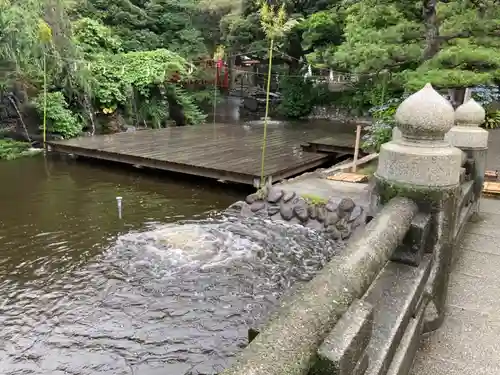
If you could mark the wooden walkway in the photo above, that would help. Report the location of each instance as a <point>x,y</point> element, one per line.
<point>222,151</point>
<point>338,144</point>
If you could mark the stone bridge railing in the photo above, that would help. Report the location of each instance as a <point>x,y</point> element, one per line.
<point>365,311</point>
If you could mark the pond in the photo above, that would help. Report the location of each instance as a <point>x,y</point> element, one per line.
<point>171,288</point>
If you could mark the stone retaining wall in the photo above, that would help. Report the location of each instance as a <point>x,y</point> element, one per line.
<point>339,220</point>
<point>337,114</point>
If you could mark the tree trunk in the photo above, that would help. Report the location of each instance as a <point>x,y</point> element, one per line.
<point>432,43</point>
<point>295,52</point>
<point>460,95</point>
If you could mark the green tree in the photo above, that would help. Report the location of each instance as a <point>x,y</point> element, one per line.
<point>55,60</point>
<point>241,33</point>
<point>453,44</point>
<point>176,25</point>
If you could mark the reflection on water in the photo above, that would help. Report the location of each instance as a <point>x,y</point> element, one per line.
<point>82,292</point>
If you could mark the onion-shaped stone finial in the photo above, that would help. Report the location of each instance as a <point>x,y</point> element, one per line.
<point>425,115</point>
<point>470,113</point>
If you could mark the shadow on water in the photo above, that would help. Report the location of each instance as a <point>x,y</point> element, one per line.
<point>169,289</point>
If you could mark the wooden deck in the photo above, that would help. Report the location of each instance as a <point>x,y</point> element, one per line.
<point>340,144</point>
<point>221,151</point>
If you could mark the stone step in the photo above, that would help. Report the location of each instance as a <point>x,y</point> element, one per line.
<point>395,295</point>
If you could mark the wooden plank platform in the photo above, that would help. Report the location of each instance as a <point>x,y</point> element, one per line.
<point>339,144</point>
<point>348,177</point>
<point>491,175</point>
<point>491,188</point>
<point>222,151</point>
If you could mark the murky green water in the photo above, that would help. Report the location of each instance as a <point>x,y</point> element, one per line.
<point>83,292</point>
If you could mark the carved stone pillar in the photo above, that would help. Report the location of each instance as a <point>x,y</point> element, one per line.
<point>423,166</point>
<point>470,138</point>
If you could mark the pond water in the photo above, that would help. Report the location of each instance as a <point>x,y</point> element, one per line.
<point>171,288</point>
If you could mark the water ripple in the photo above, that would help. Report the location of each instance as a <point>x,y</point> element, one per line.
<point>82,292</point>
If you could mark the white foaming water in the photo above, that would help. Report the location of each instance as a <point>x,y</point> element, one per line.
<point>205,245</point>
<point>181,294</point>
<point>189,245</point>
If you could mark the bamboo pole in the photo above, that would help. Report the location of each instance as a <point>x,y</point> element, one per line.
<point>264,140</point>
<point>356,149</point>
<point>44,100</point>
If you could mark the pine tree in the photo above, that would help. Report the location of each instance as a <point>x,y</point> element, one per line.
<point>452,44</point>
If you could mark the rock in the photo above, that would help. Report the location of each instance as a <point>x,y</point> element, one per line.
<point>346,205</point>
<point>288,196</point>
<point>345,234</point>
<point>298,200</point>
<point>357,217</point>
<point>257,206</point>
<point>321,213</point>
<point>301,211</point>
<point>314,224</point>
<point>252,198</point>
<point>286,210</point>
<point>236,206</point>
<point>246,211</point>
<point>312,211</point>
<point>263,213</point>
<point>331,218</point>
<point>333,232</point>
<point>338,220</point>
<point>331,205</point>
<point>275,195</point>
<point>273,209</point>
<point>355,213</point>
<point>344,228</point>
<point>276,217</point>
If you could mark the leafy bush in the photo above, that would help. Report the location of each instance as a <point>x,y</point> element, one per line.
<point>297,97</point>
<point>486,96</point>
<point>93,37</point>
<point>60,120</point>
<point>380,131</point>
<point>141,80</point>
<point>10,150</point>
<point>492,120</point>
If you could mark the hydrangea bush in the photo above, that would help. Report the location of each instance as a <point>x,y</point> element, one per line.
<point>380,131</point>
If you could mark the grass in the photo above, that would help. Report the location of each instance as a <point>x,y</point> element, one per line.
<point>314,200</point>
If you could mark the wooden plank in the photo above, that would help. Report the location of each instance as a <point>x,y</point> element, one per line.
<point>492,188</point>
<point>340,140</point>
<point>222,151</point>
<point>491,175</point>
<point>348,177</point>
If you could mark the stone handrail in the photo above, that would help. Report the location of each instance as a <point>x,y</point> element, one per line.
<point>288,343</point>
<point>365,311</point>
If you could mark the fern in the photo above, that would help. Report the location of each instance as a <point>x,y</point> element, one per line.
<point>192,113</point>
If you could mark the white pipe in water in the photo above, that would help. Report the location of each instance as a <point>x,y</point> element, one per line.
<point>119,203</point>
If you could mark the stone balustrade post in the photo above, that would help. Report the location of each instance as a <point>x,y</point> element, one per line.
<point>422,165</point>
<point>471,139</point>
